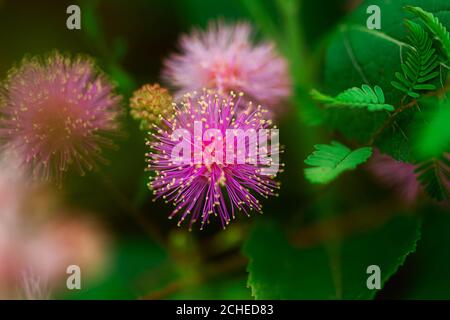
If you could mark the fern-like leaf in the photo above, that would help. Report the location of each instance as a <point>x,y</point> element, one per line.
<point>329,161</point>
<point>434,176</point>
<point>435,26</point>
<point>365,98</point>
<point>420,65</point>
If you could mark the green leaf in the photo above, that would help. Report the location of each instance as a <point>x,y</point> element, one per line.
<point>426,271</point>
<point>366,98</point>
<point>331,160</point>
<point>318,273</point>
<point>434,176</point>
<point>420,64</point>
<point>435,26</point>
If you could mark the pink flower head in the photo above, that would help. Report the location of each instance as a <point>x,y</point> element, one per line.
<point>57,111</point>
<point>397,175</point>
<point>210,178</point>
<point>223,58</point>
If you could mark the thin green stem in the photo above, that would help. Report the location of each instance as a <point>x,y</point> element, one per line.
<point>294,37</point>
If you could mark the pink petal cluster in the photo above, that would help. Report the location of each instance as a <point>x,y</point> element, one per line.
<point>199,191</point>
<point>57,111</point>
<point>224,58</point>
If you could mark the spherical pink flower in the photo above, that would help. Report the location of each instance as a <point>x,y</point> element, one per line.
<point>215,175</point>
<point>56,112</point>
<point>223,58</point>
<point>399,176</point>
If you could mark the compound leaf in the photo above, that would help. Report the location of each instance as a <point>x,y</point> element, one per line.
<point>366,98</point>
<point>329,161</point>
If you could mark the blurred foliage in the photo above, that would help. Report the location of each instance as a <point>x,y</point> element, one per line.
<point>425,274</point>
<point>333,271</point>
<point>134,261</point>
<point>434,138</point>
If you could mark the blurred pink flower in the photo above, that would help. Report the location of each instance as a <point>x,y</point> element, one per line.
<point>62,242</point>
<point>399,176</point>
<point>41,252</point>
<point>223,58</point>
<point>11,185</point>
<point>56,112</point>
<point>34,288</point>
<point>35,247</point>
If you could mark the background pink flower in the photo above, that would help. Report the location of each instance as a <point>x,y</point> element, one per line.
<point>399,176</point>
<point>224,58</point>
<point>56,112</point>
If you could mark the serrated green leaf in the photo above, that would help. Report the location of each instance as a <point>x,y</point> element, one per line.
<point>313,273</point>
<point>426,271</point>
<point>330,161</point>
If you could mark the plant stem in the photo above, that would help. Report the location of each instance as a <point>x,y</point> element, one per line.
<point>294,36</point>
